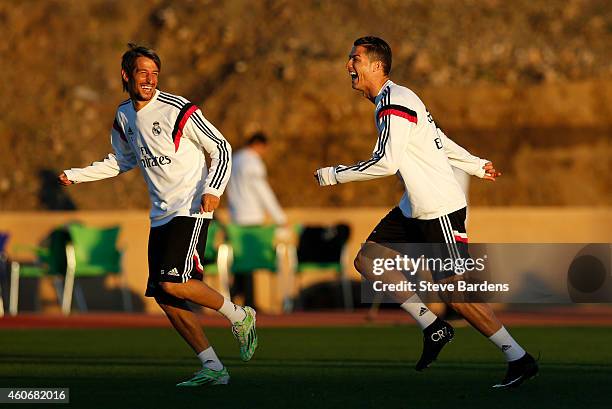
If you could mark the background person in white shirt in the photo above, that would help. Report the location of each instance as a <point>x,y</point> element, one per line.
<point>251,199</point>
<point>250,196</point>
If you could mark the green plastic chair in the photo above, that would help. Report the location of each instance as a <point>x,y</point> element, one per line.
<point>50,259</point>
<point>212,248</point>
<point>252,248</point>
<point>216,257</point>
<point>36,269</point>
<point>92,252</point>
<point>4,237</point>
<point>310,256</point>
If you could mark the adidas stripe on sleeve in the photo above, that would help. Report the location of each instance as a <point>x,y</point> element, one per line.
<point>394,123</point>
<point>202,132</point>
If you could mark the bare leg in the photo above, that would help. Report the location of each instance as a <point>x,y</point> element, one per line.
<point>408,300</point>
<point>364,263</point>
<point>195,291</point>
<point>187,325</point>
<point>480,316</point>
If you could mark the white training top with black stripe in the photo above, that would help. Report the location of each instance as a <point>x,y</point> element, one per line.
<point>412,146</point>
<point>166,138</point>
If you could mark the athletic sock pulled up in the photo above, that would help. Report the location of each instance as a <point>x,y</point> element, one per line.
<point>504,341</point>
<point>234,313</point>
<point>419,311</point>
<point>210,360</point>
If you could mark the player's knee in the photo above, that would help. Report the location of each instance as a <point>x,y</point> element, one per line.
<point>359,262</point>
<point>363,264</point>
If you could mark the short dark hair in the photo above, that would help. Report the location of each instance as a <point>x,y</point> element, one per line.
<point>128,61</point>
<point>377,50</point>
<point>258,137</point>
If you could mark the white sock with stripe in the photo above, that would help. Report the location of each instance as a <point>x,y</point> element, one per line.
<point>234,313</point>
<point>210,360</point>
<point>504,341</point>
<point>419,311</point>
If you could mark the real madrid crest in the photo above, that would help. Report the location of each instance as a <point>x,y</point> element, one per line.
<point>156,128</point>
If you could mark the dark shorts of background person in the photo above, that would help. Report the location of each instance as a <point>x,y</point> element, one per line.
<point>174,256</point>
<point>447,235</point>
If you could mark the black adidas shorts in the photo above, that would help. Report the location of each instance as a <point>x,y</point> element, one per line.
<point>397,228</point>
<point>175,252</point>
<point>446,233</point>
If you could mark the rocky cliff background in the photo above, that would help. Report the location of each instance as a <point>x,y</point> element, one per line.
<point>527,84</point>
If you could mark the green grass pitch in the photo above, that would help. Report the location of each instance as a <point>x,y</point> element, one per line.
<point>308,368</point>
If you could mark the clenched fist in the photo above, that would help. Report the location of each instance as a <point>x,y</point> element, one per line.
<point>209,203</point>
<point>63,180</point>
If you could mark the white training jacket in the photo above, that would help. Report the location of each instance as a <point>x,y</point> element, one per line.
<point>167,139</point>
<point>412,146</point>
<point>249,194</point>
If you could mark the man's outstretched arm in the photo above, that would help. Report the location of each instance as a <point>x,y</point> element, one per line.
<point>389,149</point>
<point>460,158</point>
<point>115,163</point>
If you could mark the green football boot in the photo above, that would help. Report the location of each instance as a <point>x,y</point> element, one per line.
<point>206,377</point>
<point>246,334</point>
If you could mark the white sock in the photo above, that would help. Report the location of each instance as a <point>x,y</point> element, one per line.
<point>210,359</point>
<point>504,341</point>
<point>419,311</point>
<point>234,313</point>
